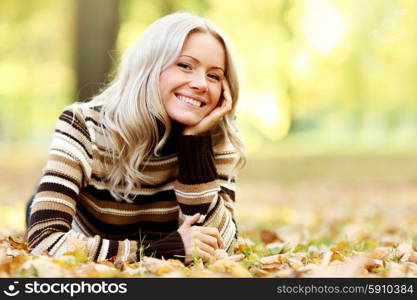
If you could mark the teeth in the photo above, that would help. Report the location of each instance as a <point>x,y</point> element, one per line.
<point>190,101</point>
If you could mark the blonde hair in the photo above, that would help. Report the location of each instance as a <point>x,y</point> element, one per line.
<point>131,103</point>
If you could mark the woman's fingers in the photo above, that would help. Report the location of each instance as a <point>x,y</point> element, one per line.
<point>226,93</point>
<point>216,114</point>
<point>203,254</point>
<point>191,220</point>
<point>201,250</point>
<point>214,232</point>
<point>206,239</point>
<point>206,248</point>
<point>203,242</point>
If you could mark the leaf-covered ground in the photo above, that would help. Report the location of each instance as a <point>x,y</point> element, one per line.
<point>322,226</point>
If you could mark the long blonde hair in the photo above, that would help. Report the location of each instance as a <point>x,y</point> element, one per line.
<point>131,103</point>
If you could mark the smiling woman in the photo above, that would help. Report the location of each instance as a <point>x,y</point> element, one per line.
<point>148,166</point>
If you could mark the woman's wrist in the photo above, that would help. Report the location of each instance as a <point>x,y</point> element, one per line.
<point>190,131</point>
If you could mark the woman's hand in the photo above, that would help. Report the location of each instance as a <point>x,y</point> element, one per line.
<point>215,116</point>
<point>199,241</point>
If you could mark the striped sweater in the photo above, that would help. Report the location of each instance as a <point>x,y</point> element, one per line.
<point>73,207</point>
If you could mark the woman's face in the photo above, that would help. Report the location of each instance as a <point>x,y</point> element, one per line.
<point>192,86</point>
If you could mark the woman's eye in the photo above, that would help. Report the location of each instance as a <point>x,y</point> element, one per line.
<point>214,76</point>
<point>184,66</point>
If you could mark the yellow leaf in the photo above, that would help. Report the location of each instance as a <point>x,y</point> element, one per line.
<point>342,245</point>
<point>230,268</point>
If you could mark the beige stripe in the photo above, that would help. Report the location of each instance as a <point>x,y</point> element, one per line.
<point>92,245</point>
<point>224,161</point>
<point>51,194</point>
<point>205,193</point>
<point>133,247</point>
<point>104,249</point>
<point>193,188</point>
<point>126,250</point>
<point>120,250</point>
<point>216,217</point>
<point>54,157</point>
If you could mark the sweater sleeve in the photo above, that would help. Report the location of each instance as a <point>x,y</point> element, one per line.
<point>202,186</point>
<point>67,170</point>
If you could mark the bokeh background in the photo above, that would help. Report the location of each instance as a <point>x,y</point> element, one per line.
<point>328,105</point>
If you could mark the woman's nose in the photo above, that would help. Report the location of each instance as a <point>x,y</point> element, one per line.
<point>199,82</point>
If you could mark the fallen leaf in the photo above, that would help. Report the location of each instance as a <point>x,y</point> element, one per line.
<point>268,236</point>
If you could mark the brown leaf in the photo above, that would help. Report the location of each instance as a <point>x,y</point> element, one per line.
<point>17,242</point>
<point>268,236</point>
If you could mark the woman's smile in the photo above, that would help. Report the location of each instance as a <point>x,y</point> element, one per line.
<point>194,102</point>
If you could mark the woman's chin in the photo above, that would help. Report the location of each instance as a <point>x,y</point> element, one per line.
<point>187,120</point>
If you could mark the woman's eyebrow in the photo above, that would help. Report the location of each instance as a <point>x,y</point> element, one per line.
<point>193,58</point>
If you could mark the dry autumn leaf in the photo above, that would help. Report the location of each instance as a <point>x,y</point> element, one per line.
<point>268,236</point>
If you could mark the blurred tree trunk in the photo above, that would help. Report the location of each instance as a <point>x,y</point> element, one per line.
<point>169,6</point>
<point>97,25</point>
<point>284,64</point>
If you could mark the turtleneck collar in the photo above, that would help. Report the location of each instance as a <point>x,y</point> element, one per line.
<point>171,143</point>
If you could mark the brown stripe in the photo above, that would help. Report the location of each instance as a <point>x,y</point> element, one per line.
<point>59,188</point>
<point>112,251</point>
<point>48,215</point>
<point>100,244</point>
<point>224,161</point>
<point>125,220</point>
<point>49,205</point>
<point>190,210</point>
<point>127,206</point>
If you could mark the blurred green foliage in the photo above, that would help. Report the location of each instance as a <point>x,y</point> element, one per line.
<point>315,74</point>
